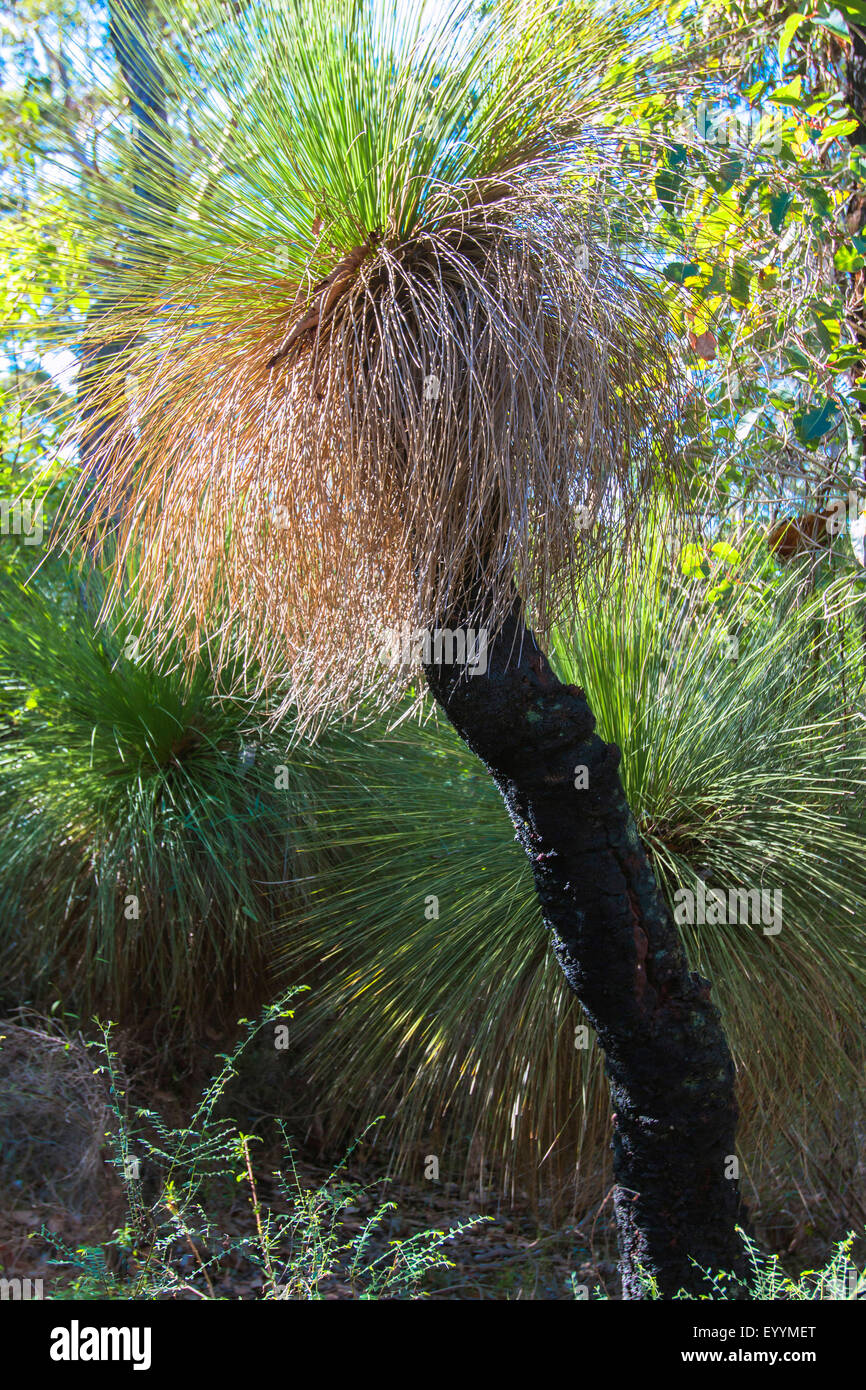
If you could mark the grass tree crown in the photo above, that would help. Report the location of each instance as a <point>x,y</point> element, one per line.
<point>372,349</point>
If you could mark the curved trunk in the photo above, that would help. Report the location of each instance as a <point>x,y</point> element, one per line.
<point>670,1070</point>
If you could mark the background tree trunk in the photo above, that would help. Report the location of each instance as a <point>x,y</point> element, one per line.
<point>670,1070</point>
<point>131,33</point>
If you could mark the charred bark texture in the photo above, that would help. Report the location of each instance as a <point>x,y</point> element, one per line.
<point>670,1070</point>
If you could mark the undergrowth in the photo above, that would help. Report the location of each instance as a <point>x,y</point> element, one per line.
<point>169,1247</point>
<point>766,1279</point>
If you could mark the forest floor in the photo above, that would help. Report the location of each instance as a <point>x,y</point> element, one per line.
<point>510,1254</point>
<point>60,1193</point>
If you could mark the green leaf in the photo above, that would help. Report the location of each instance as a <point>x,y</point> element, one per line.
<point>821,202</point>
<point>740,282</point>
<point>729,172</point>
<point>834,21</point>
<point>846,357</point>
<point>717,283</point>
<point>828,328</point>
<point>747,422</point>
<point>667,185</point>
<point>779,204</point>
<point>812,425</point>
<point>797,358</point>
<point>789,95</point>
<point>678,272</point>
<point>691,560</point>
<point>839,129</point>
<point>789,29</point>
<point>847,259</point>
<point>726,552</point>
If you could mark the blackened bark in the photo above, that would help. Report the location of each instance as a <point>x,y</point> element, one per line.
<point>670,1069</point>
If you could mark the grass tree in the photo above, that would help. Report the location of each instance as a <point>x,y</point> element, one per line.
<point>144,837</point>
<point>385,373</point>
<point>459,1030</point>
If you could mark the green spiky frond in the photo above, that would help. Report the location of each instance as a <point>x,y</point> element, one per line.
<point>370,342</point>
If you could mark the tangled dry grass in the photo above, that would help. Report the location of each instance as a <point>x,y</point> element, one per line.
<point>473,401</point>
<point>53,1115</point>
<point>373,349</point>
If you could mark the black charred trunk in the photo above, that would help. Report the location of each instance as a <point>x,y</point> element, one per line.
<point>670,1070</point>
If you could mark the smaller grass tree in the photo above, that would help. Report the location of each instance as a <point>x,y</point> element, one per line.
<point>146,825</point>
<point>384,372</point>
